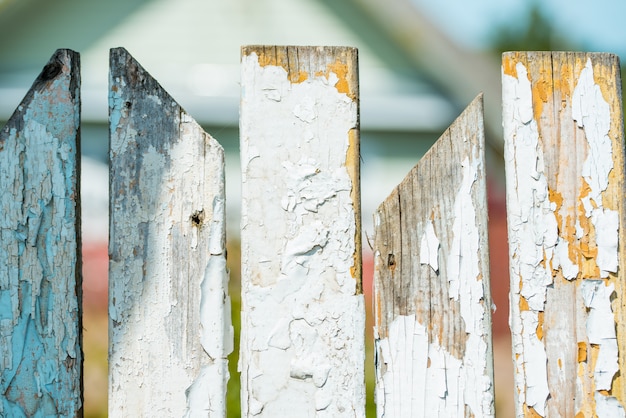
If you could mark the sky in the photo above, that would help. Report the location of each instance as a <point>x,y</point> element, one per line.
<point>592,25</point>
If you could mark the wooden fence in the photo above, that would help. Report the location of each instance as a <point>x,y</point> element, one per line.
<point>303,315</point>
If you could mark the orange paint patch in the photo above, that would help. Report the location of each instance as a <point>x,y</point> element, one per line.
<point>540,322</point>
<point>530,412</point>
<point>509,61</point>
<point>582,352</point>
<point>523,304</point>
<point>353,160</point>
<point>563,81</point>
<point>279,57</point>
<point>342,71</point>
<point>542,90</point>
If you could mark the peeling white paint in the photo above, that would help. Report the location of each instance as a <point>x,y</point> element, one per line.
<point>533,363</point>
<point>418,378</point>
<point>169,306</point>
<point>463,266</point>
<point>561,259</point>
<point>429,247</point>
<point>608,406</point>
<point>302,321</point>
<point>533,237</point>
<point>536,249</point>
<point>592,113</point>
<point>466,286</point>
<point>601,330</point>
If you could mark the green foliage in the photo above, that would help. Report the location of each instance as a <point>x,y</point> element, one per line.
<point>533,32</point>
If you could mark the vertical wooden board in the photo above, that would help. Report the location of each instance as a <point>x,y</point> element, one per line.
<point>564,156</point>
<point>169,309</point>
<point>432,297</point>
<point>40,269</point>
<point>302,340</point>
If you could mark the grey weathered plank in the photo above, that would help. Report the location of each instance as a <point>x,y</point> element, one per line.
<point>40,270</point>
<point>169,309</point>
<point>432,298</point>
<point>564,155</point>
<point>302,341</point>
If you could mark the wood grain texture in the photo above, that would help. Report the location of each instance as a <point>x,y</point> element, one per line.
<point>564,158</point>
<point>302,346</point>
<point>431,283</point>
<point>169,309</point>
<point>40,269</point>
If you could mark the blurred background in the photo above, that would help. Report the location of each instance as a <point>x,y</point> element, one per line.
<point>421,62</point>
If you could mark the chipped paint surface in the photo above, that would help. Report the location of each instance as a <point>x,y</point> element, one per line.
<point>40,333</point>
<point>168,304</point>
<point>601,330</point>
<point>466,286</point>
<point>532,239</point>
<point>420,378</point>
<point>434,368</point>
<point>591,112</point>
<point>303,317</point>
<point>564,227</point>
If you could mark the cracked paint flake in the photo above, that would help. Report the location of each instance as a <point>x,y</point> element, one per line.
<point>592,113</point>
<point>429,247</point>
<point>418,378</point>
<point>601,332</point>
<point>466,286</point>
<point>301,346</point>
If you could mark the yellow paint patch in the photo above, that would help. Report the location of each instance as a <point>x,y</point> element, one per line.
<point>342,71</point>
<point>523,304</point>
<point>540,322</point>
<point>582,352</point>
<point>530,412</point>
<point>279,57</point>
<point>353,160</point>
<point>509,61</point>
<point>563,81</point>
<point>541,92</point>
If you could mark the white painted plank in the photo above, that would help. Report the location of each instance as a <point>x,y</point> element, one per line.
<point>431,283</point>
<point>40,278</point>
<point>564,158</point>
<point>169,309</point>
<point>302,340</point>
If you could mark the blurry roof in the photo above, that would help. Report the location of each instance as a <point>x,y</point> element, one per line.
<point>411,77</point>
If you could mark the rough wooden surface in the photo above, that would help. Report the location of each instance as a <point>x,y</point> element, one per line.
<point>564,157</point>
<point>302,338</point>
<point>169,326</point>
<point>431,283</point>
<point>40,270</point>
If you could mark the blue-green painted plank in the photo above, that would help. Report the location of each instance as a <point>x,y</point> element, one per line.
<point>40,278</point>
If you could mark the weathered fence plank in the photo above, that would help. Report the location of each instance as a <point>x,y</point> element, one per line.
<point>40,269</point>
<point>169,309</point>
<point>564,157</point>
<point>432,299</point>
<point>302,341</point>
